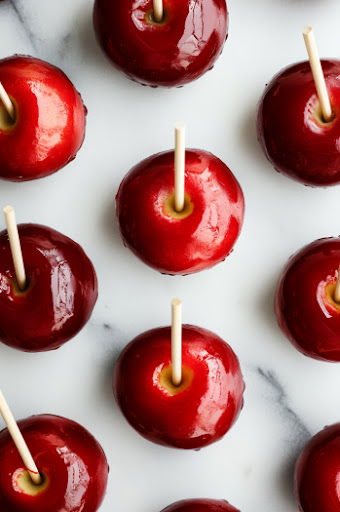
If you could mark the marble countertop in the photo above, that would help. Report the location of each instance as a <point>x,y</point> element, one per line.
<point>289,397</point>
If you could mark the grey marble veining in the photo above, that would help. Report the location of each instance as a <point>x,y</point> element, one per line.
<point>299,429</point>
<point>20,13</point>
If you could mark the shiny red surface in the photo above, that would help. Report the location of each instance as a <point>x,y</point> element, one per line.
<point>191,244</point>
<point>50,125</point>
<point>305,314</point>
<point>172,53</point>
<point>64,452</point>
<point>292,135</point>
<point>61,294</point>
<point>317,474</point>
<point>198,415</point>
<point>200,505</point>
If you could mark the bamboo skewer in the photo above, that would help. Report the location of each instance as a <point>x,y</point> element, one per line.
<point>318,74</point>
<point>14,241</point>
<point>7,103</point>
<point>337,288</point>
<point>179,167</point>
<point>158,12</point>
<point>19,441</point>
<point>176,341</point>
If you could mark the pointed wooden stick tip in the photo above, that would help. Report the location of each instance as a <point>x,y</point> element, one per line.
<point>307,30</point>
<point>176,302</point>
<point>8,209</point>
<point>179,126</point>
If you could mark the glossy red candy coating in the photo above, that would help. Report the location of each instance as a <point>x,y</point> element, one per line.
<point>61,294</point>
<point>305,306</point>
<point>291,131</point>
<point>174,245</point>
<point>200,505</point>
<point>172,53</point>
<point>50,119</point>
<point>317,474</point>
<point>197,413</point>
<point>68,457</point>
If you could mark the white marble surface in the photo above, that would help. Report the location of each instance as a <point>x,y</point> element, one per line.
<point>288,396</point>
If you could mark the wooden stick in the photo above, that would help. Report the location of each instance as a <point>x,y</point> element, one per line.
<point>319,77</point>
<point>179,167</point>
<point>337,288</point>
<point>14,241</point>
<point>158,12</point>
<point>19,441</point>
<point>7,102</point>
<point>176,341</point>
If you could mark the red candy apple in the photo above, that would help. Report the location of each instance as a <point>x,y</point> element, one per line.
<point>293,134</point>
<point>72,464</point>
<point>317,475</point>
<point>305,303</point>
<point>197,412</point>
<point>179,49</point>
<point>61,291</point>
<point>197,238</point>
<point>200,505</point>
<point>49,124</point>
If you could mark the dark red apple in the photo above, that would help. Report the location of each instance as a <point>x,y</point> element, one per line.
<point>173,52</point>
<point>293,134</point>
<point>49,125</point>
<point>60,295</point>
<point>195,239</point>
<point>305,305</point>
<point>200,505</point>
<point>317,474</point>
<point>72,464</point>
<point>196,413</point>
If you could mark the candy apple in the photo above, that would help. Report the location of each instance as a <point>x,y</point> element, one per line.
<point>72,464</point>
<point>197,412</point>
<point>60,295</point>
<point>178,49</point>
<point>305,304</point>
<point>317,473</point>
<point>294,136</point>
<point>201,505</point>
<point>49,123</point>
<point>197,238</point>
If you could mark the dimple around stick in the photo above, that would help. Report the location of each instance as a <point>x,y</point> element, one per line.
<point>19,441</point>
